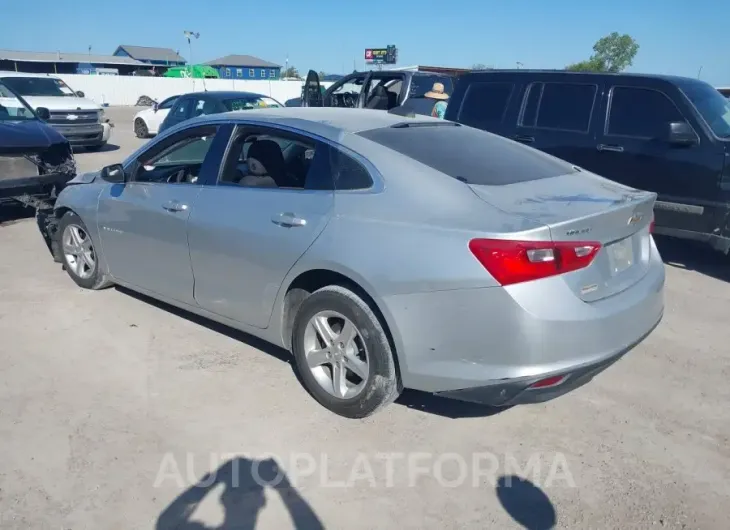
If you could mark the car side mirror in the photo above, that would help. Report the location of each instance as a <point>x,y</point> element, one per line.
<point>80,94</point>
<point>681,133</point>
<point>43,113</point>
<point>114,174</point>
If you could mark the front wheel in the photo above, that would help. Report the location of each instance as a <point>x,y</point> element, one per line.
<point>140,128</point>
<point>79,254</point>
<point>343,354</point>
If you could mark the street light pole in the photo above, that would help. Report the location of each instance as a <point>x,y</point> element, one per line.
<point>189,35</point>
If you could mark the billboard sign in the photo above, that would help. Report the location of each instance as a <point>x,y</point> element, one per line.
<point>388,55</point>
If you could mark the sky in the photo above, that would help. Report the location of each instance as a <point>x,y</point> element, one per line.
<point>675,36</point>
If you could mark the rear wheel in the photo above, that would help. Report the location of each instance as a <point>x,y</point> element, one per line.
<point>79,254</point>
<point>343,354</point>
<point>140,128</point>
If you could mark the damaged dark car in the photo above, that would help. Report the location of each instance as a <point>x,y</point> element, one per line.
<point>36,161</point>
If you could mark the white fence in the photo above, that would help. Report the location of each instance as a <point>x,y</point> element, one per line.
<point>126,90</point>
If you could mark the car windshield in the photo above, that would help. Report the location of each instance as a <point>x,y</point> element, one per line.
<point>38,86</point>
<point>712,106</point>
<point>251,102</point>
<point>12,108</point>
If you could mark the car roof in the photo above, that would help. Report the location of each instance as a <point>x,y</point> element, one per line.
<point>663,77</point>
<point>221,94</point>
<point>10,73</point>
<point>329,122</point>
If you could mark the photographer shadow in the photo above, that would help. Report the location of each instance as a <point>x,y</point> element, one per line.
<point>244,482</point>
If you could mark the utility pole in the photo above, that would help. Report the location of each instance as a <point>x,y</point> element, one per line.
<point>699,72</point>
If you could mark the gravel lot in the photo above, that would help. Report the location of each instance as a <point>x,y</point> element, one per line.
<point>112,406</point>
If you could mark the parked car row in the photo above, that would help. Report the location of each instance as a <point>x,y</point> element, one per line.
<point>80,120</point>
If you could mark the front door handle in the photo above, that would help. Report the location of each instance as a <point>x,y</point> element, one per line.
<point>612,148</point>
<point>288,219</point>
<point>175,206</point>
<point>524,139</point>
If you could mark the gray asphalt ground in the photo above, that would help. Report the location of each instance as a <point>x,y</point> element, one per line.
<point>112,406</point>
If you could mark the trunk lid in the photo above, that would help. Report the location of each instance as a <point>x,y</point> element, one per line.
<point>582,206</point>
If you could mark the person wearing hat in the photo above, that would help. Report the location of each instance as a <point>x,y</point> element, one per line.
<point>437,92</point>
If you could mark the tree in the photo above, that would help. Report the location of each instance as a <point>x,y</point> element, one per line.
<point>291,72</point>
<point>321,74</point>
<point>479,66</point>
<point>612,53</point>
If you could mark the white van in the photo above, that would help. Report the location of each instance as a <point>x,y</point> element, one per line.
<point>79,119</point>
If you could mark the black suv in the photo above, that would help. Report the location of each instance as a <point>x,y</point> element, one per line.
<point>669,135</point>
<point>35,160</point>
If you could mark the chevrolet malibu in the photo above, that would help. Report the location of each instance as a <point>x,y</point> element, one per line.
<point>384,252</point>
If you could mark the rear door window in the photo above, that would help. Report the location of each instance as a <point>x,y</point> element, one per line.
<point>468,154</point>
<point>485,104</point>
<point>640,113</point>
<point>560,106</point>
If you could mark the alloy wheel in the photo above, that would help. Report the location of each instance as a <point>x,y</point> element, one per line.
<point>336,354</point>
<point>79,251</point>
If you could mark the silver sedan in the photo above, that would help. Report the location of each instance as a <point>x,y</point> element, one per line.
<point>384,252</point>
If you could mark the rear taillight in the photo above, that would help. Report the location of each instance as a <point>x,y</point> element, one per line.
<point>522,261</point>
<point>651,224</point>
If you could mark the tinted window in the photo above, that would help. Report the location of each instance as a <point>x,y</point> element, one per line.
<point>713,107</point>
<point>485,104</point>
<point>182,109</point>
<point>640,112</point>
<point>168,103</point>
<point>529,111</point>
<point>565,106</point>
<point>348,173</point>
<point>38,86</point>
<point>469,154</point>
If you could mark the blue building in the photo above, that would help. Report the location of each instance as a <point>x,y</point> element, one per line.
<point>151,56</point>
<point>245,67</point>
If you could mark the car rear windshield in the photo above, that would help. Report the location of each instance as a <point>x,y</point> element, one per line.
<point>468,154</point>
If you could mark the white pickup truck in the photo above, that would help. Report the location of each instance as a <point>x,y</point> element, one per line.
<point>80,120</point>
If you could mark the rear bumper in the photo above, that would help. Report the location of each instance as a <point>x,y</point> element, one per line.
<point>518,392</point>
<point>34,186</point>
<point>476,343</point>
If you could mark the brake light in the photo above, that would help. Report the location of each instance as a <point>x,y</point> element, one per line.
<point>651,225</point>
<point>522,261</point>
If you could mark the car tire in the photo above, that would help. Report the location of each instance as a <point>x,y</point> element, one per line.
<point>140,128</point>
<point>79,254</point>
<point>364,366</point>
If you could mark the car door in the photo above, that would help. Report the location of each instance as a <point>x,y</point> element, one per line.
<point>181,111</point>
<point>556,116</point>
<point>143,222</point>
<point>346,92</point>
<point>244,240</point>
<point>485,104</point>
<point>633,148</point>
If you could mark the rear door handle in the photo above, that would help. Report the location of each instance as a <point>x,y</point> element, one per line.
<point>175,206</point>
<point>524,139</point>
<point>613,148</point>
<point>288,219</point>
